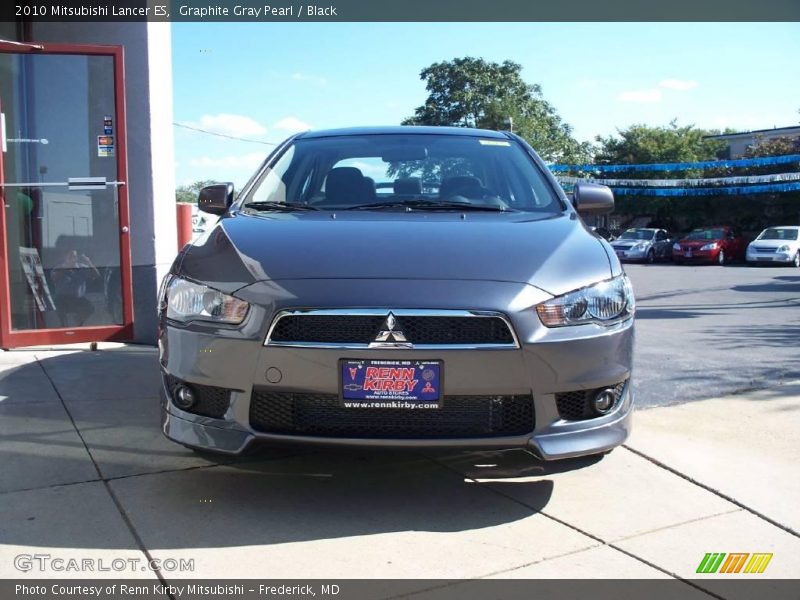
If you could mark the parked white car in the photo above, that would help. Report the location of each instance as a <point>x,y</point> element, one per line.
<point>776,245</point>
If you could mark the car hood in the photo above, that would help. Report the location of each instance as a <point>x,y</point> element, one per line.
<point>773,243</point>
<point>628,243</point>
<point>697,243</point>
<point>556,254</point>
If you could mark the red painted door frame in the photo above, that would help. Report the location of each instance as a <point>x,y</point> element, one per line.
<point>33,337</point>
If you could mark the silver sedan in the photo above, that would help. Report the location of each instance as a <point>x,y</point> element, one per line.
<point>643,245</point>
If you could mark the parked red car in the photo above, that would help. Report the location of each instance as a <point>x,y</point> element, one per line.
<point>718,245</point>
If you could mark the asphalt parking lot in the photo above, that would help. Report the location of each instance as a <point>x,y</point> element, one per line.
<point>705,331</point>
<point>87,474</point>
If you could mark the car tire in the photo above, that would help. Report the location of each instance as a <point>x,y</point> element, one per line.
<point>721,258</point>
<point>796,261</point>
<point>651,257</point>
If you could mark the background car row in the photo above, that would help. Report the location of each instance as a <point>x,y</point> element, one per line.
<point>713,245</point>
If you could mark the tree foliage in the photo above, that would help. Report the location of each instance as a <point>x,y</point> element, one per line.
<point>774,147</point>
<point>471,92</point>
<point>188,193</point>
<point>640,144</point>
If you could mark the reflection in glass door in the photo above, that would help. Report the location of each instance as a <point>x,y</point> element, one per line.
<point>66,271</point>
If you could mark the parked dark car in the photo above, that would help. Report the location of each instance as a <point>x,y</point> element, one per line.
<point>644,245</point>
<point>720,245</point>
<point>400,286</point>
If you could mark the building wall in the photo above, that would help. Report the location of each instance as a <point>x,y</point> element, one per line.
<point>151,178</point>
<point>738,145</point>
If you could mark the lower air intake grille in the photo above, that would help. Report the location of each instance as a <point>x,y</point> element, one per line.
<point>211,401</point>
<point>577,405</point>
<point>323,415</point>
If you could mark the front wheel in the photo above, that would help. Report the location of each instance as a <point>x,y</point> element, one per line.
<point>651,257</point>
<point>721,258</point>
<point>796,260</point>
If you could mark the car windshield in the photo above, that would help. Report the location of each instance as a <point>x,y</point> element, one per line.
<point>404,172</point>
<point>637,234</point>
<point>706,234</point>
<point>778,233</point>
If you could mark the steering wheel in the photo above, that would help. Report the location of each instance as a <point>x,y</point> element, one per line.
<point>471,191</point>
<point>468,194</point>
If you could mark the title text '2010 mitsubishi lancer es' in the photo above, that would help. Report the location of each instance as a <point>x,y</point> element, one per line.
<point>400,286</point>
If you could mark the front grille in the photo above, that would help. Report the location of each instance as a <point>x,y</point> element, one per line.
<point>417,329</point>
<point>211,401</point>
<point>577,405</point>
<point>458,417</point>
<point>327,328</point>
<point>764,250</point>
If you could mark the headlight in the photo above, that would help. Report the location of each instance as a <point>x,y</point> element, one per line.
<point>676,246</point>
<point>784,248</point>
<point>190,301</point>
<point>711,246</point>
<point>606,302</point>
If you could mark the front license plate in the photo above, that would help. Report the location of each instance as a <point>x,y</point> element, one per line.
<point>391,383</point>
<point>688,254</point>
<point>620,254</point>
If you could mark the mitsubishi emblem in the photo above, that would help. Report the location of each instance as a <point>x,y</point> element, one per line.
<point>389,337</point>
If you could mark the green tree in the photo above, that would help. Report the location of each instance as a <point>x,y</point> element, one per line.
<point>773,147</point>
<point>188,193</point>
<point>471,92</point>
<point>645,144</point>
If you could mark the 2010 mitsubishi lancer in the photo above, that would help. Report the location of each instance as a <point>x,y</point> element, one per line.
<point>400,286</point>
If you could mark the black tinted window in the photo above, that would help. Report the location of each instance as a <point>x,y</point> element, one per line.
<point>344,171</point>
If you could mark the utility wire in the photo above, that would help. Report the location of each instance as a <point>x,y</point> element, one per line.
<point>223,135</point>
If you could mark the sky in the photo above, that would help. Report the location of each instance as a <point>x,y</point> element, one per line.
<point>265,81</point>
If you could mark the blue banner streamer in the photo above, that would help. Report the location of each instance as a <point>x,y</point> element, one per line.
<point>716,191</point>
<point>680,183</point>
<point>709,164</point>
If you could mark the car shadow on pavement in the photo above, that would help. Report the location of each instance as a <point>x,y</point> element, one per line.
<point>306,497</point>
<point>782,283</point>
<point>670,313</point>
<point>783,335</point>
<point>52,495</point>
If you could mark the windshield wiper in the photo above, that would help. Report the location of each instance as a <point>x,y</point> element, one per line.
<point>281,206</point>
<point>430,205</point>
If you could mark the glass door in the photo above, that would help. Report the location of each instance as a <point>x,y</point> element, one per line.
<point>65,270</point>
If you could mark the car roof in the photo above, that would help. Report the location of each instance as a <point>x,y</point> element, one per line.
<point>782,227</point>
<point>405,130</point>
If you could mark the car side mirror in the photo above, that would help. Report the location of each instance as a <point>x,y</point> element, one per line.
<point>592,198</point>
<point>215,199</point>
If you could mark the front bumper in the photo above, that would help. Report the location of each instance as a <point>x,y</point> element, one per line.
<point>770,257</point>
<point>547,362</point>
<point>561,440</point>
<point>696,256</point>
<point>628,254</point>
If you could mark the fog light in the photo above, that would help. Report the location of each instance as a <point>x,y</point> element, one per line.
<point>604,401</point>
<point>183,397</point>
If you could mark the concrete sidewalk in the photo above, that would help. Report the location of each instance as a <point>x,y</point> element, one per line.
<point>86,473</point>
